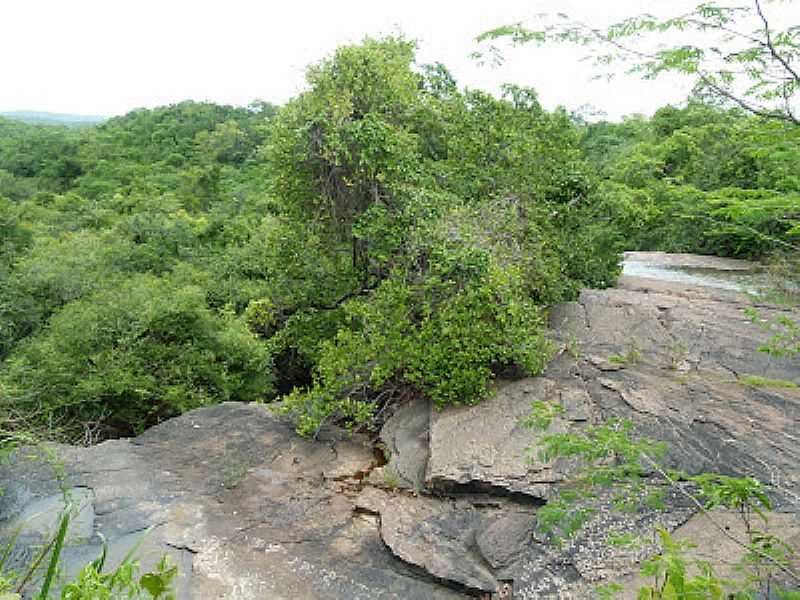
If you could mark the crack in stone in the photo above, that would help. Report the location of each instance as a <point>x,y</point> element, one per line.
<point>182,548</point>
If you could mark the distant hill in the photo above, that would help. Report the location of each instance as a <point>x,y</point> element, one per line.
<point>46,118</point>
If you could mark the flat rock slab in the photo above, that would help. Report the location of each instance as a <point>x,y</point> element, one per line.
<point>676,363</point>
<point>244,507</point>
<point>488,447</point>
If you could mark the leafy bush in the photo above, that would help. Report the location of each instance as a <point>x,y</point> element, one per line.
<point>700,179</point>
<point>385,234</point>
<point>462,216</point>
<point>123,358</point>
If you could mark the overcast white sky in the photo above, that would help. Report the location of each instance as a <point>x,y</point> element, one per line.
<point>109,56</point>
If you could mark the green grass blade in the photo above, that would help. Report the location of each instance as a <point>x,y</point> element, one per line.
<point>54,557</point>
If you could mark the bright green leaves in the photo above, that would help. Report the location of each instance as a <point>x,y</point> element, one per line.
<point>614,463</point>
<point>701,180</point>
<point>785,339</point>
<point>458,210</point>
<point>92,582</point>
<point>379,151</point>
<point>126,357</point>
<point>392,235</point>
<point>374,76</point>
<point>343,146</point>
<point>742,494</point>
<point>738,55</point>
<point>677,577</point>
<point>456,350</point>
<point>441,342</point>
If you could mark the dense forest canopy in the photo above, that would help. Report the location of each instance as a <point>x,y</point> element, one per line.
<point>384,234</point>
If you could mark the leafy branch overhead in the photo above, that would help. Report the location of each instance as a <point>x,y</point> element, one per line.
<point>735,55</point>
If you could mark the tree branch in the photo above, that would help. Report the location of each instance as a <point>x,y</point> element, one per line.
<point>768,67</point>
<point>771,47</point>
<point>789,117</point>
<point>724,531</point>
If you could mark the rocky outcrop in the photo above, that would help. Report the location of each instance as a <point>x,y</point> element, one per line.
<point>244,507</point>
<point>447,505</point>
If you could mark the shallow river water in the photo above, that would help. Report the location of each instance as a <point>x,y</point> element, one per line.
<point>747,281</point>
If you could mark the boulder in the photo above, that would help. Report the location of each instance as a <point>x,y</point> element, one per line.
<point>244,507</point>
<point>405,439</point>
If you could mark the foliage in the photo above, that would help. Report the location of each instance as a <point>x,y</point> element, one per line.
<point>454,239</point>
<point>758,381</point>
<point>615,460</point>
<point>385,233</point>
<point>112,313</point>
<point>785,340</point>
<point>125,357</point>
<point>717,176</point>
<point>733,53</point>
<point>700,180</point>
<point>671,577</point>
<point>91,583</point>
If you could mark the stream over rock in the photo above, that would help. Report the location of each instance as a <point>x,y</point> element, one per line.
<point>248,510</point>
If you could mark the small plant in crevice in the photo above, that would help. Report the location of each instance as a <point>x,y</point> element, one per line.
<point>391,479</point>
<point>233,473</point>
<point>783,278</point>
<point>758,381</point>
<point>677,355</point>
<point>620,464</point>
<point>573,347</point>
<point>631,357</point>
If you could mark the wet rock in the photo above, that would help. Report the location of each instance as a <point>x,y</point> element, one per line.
<point>695,261</point>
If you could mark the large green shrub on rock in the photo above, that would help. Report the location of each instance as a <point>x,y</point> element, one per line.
<point>459,216</point>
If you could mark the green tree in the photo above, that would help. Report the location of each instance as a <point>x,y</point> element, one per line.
<point>448,217</point>
<point>125,357</point>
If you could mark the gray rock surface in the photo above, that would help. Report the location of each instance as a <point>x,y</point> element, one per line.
<point>244,507</point>
<point>405,438</point>
<point>487,446</point>
<point>248,510</point>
